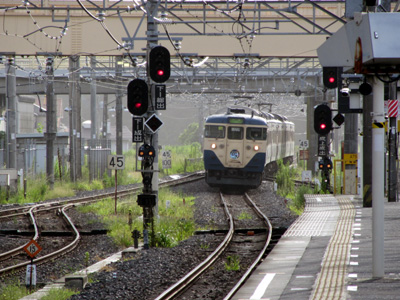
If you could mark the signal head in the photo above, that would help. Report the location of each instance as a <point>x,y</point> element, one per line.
<point>146,150</point>
<point>322,119</point>
<point>138,97</point>
<point>330,76</point>
<point>160,64</point>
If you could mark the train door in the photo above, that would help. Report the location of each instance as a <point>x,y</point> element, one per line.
<point>235,147</point>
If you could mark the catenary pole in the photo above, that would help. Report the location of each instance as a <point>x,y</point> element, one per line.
<point>51,121</point>
<point>11,98</point>
<point>378,175</point>
<point>93,119</point>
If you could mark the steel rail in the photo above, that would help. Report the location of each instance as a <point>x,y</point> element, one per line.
<point>82,200</point>
<point>14,251</point>
<point>178,287</point>
<point>61,251</point>
<point>122,193</point>
<point>256,262</point>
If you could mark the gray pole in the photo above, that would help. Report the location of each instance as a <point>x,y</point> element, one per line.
<point>378,167</point>
<point>118,104</point>
<point>392,192</point>
<point>51,122</point>
<point>11,98</point>
<point>78,121</point>
<point>74,104</point>
<point>93,116</point>
<point>105,117</point>
<point>367,147</point>
<point>152,40</point>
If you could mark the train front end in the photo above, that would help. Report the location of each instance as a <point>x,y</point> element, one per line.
<point>234,150</point>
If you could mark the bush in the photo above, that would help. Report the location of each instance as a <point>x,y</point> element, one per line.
<point>298,203</point>
<point>285,178</point>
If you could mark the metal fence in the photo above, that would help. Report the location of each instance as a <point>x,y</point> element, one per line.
<point>31,158</point>
<point>97,158</point>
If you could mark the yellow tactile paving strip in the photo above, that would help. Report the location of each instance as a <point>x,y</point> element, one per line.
<point>331,282</point>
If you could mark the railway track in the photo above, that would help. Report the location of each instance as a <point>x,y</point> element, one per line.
<point>61,206</point>
<point>227,248</point>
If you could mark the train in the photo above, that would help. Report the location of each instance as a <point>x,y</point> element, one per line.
<point>243,145</point>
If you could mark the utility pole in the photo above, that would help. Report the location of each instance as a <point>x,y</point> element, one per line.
<point>75,120</point>
<point>11,99</point>
<point>93,117</point>
<point>118,104</point>
<point>51,121</point>
<point>378,175</point>
<point>105,118</point>
<point>78,121</point>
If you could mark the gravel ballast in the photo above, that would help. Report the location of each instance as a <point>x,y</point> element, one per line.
<point>149,272</point>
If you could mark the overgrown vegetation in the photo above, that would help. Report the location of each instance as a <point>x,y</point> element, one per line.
<point>232,263</point>
<point>285,179</point>
<point>59,294</point>
<point>13,291</point>
<point>286,188</point>
<point>184,159</point>
<point>190,134</point>
<point>175,222</point>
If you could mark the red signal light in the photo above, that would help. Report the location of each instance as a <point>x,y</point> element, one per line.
<point>322,126</point>
<point>331,79</point>
<point>137,97</point>
<point>160,72</point>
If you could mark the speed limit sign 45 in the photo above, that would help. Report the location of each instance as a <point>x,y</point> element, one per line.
<point>115,162</point>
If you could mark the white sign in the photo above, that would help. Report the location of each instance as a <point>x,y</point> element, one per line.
<point>306,176</point>
<point>166,159</point>
<point>304,144</point>
<point>116,162</point>
<point>28,281</point>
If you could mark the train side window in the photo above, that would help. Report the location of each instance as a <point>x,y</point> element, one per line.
<point>256,133</point>
<point>235,133</point>
<point>214,131</point>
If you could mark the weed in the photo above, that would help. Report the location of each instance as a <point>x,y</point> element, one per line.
<point>204,246</point>
<point>59,294</point>
<point>244,216</point>
<point>232,263</point>
<point>87,258</point>
<point>13,291</point>
<point>284,178</point>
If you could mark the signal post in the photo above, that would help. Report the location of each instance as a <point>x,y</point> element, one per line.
<point>142,96</point>
<point>323,126</point>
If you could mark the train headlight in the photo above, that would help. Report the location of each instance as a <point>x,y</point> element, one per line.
<point>213,146</point>
<point>256,147</point>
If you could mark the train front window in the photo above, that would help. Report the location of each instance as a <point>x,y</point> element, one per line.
<point>214,131</point>
<point>235,133</point>
<point>256,133</point>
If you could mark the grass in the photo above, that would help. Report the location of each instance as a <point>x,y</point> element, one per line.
<point>59,294</point>
<point>244,216</point>
<point>174,225</point>
<point>13,291</point>
<point>285,180</point>
<point>232,263</point>
<point>39,190</point>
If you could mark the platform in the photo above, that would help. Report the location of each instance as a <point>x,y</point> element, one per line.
<point>327,254</point>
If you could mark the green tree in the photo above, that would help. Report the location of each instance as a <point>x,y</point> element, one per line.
<point>190,134</point>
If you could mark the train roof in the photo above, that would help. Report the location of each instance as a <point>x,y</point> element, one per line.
<point>230,119</point>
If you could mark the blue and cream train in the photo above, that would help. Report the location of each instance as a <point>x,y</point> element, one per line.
<point>243,144</point>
